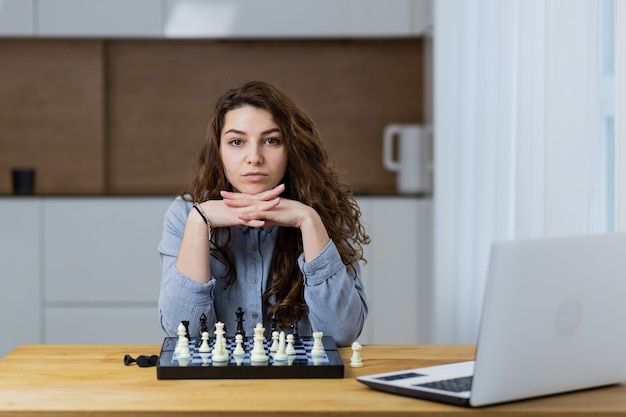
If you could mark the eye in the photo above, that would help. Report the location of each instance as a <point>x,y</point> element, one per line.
<point>236,142</point>
<point>272,140</point>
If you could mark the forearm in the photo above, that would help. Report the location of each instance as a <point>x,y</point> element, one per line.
<point>314,235</point>
<point>335,296</point>
<point>194,256</point>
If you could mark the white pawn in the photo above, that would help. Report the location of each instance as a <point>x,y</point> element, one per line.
<point>274,346</point>
<point>239,351</point>
<point>355,360</point>
<point>183,352</point>
<point>204,347</point>
<point>318,346</point>
<point>291,351</point>
<point>281,354</point>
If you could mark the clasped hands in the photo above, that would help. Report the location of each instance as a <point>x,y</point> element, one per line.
<point>256,210</point>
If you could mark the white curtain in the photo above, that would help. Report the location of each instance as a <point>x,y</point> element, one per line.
<point>514,123</point>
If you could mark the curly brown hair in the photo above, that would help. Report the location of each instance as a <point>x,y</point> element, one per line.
<point>310,178</point>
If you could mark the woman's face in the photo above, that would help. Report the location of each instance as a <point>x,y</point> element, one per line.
<point>252,150</point>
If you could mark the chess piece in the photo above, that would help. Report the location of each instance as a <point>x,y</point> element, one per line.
<point>204,347</point>
<point>355,360</point>
<point>239,350</point>
<point>240,330</point>
<point>143,361</point>
<point>219,349</point>
<point>183,352</point>
<point>203,325</point>
<point>258,355</point>
<point>280,358</point>
<point>181,334</point>
<point>296,336</point>
<point>274,346</point>
<point>318,346</point>
<point>291,351</point>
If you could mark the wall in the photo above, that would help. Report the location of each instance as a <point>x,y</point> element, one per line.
<point>94,116</point>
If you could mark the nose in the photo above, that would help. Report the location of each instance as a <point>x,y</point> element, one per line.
<point>255,156</point>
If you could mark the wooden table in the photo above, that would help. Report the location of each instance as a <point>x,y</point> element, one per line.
<point>91,380</point>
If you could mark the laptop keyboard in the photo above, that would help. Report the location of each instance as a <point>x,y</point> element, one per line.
<point>453,385</point>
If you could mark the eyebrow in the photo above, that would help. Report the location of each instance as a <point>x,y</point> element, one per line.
<point>240,132</point>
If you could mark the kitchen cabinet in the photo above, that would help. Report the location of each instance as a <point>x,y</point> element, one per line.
<point>398,273</point>
<point>102,269</point>
<point>17,18</point>
<point>233,19</point>
<point>295,19</point>
<point>87,269</point>
<point>20,272</point>
<point>99,18</point>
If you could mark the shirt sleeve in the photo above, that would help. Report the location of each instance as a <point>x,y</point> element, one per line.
<point>335,295</point>
<point>180,297</point>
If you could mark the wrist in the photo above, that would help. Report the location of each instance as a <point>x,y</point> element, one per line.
<point>200,213</point>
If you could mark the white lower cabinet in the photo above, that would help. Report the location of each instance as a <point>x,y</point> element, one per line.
<point>87,269</point>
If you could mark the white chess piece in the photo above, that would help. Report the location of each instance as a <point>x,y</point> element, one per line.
<point>274,346</point>
<point>181,331</point>
<point>280,357</point>
<point>239,351</point>
<point>183,352</point>
<point>258,355</point>
<point>318,346</point>
<point>204,347</point>
<point>355,360</point>
<point>291,351</point>
<point>219,354</point>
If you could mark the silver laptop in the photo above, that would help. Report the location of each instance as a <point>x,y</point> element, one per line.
<point>553,321</point>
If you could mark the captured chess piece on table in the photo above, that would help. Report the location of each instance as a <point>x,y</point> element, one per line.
<point>355,360</point>
<point>143,361</point>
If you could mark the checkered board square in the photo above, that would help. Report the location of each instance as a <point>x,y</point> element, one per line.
<point>200,366</point>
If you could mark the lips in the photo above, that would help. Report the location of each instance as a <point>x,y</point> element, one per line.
<point>255,176</point>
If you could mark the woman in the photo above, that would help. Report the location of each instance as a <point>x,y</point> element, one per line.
<point>268,227</point>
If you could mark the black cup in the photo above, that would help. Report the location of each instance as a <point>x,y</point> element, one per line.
<point>23,181</point>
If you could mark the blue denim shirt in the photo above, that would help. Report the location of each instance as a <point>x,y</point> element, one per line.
<point>334,294</point>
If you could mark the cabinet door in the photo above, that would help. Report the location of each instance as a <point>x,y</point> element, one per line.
<point>102,269</point>
<point>397,274</point>
<point>17,18</point>
<point>99,18</point>
<point>288,18</point>
<point>20,297</point>
<point>103,250</point>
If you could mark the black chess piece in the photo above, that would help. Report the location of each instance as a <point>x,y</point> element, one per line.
<point>240,330</point>
<point>296,336</point>
<point>203,325</point>
<point>143,361</point>
<point>274,324</point>
<point>186,324</point>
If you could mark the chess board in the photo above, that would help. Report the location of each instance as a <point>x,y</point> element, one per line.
<point>200,366</point>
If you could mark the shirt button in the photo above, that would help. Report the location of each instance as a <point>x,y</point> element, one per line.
<point>255,280</point>
<point>255,316</point>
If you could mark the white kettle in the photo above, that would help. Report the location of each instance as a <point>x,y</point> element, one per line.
<point>412,161</point>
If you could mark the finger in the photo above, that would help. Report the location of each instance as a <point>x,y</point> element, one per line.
<point>253,205</point>
<point>265,195</point>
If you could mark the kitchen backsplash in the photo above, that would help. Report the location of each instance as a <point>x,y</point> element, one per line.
<point>121,117</point>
